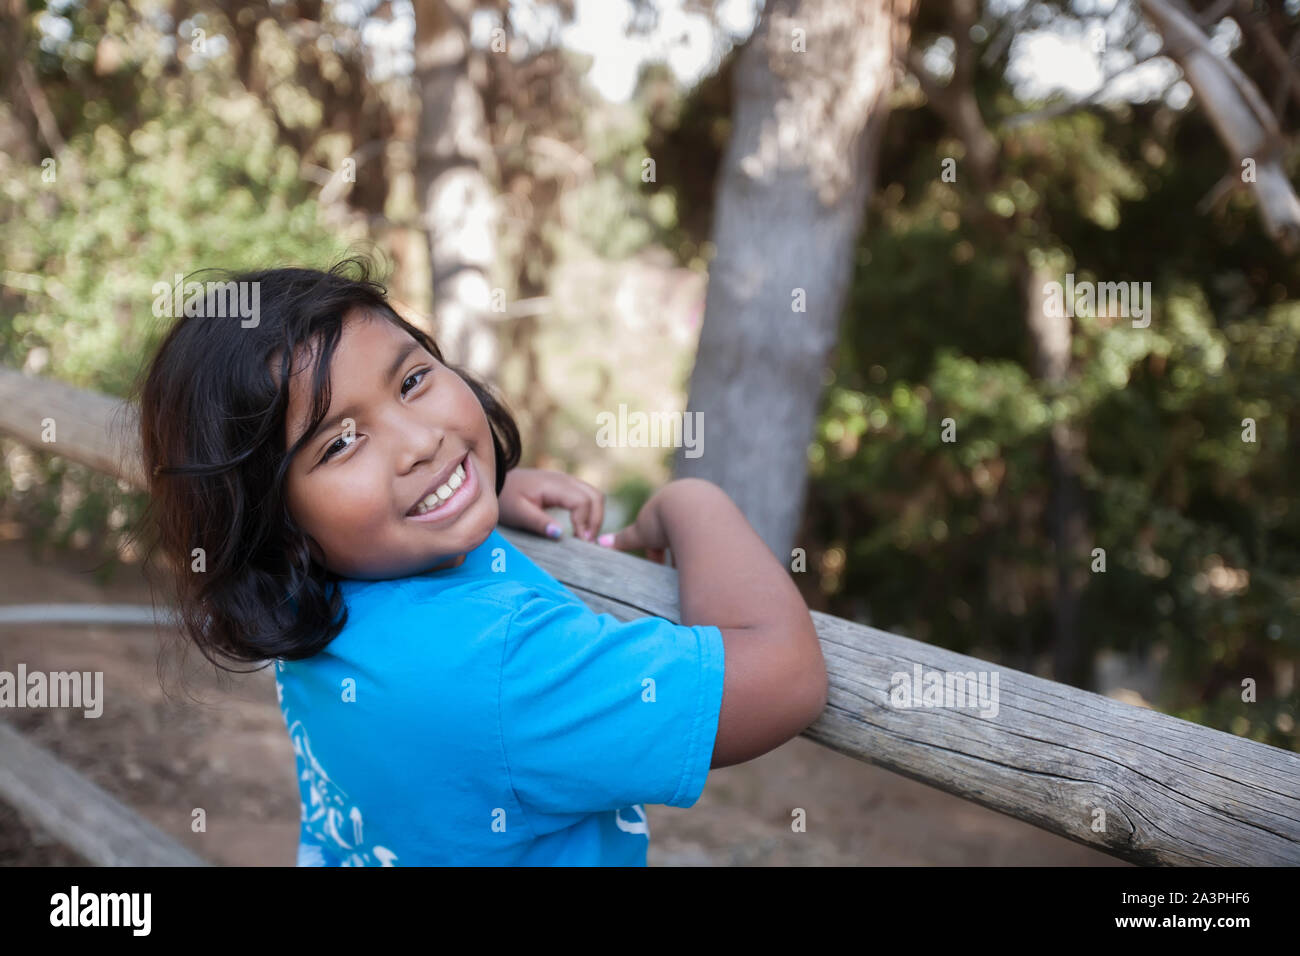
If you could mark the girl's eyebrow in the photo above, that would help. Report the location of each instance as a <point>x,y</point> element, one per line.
<point>402,354</point>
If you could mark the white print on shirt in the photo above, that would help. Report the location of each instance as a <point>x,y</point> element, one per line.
<point>633,826</point>
<point>327,823</point>
<point>325,819</point>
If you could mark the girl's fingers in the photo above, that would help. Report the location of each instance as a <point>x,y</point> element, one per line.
<point>629,539</point>
<point>565,494</point>
<point>589,514</point>
<point>626,539</point>
<point>529,516</point>
<point>597,517</point>
<point>582,518</point>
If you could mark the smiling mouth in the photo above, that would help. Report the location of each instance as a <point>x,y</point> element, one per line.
<point>448,493</point>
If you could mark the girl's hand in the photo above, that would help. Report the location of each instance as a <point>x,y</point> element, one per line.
<point>527,491</point>
<point>647,533</point>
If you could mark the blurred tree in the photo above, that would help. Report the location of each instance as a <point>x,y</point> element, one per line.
<point>1019,230</point>
<point>1192,528</point>
<point>1049,331</point>
<point>809,108</point>
<point>1175,494</point>
<point>458,183</point>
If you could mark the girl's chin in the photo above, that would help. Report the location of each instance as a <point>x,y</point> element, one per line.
<point>474,530</point>
<point>466,538</point>
<point>446,564</point>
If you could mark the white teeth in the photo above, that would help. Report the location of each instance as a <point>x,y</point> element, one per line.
<point>442,493</point>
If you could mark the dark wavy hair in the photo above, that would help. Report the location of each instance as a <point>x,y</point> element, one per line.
<point>213,433</point>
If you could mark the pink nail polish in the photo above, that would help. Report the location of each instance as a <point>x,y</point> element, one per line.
<point>553,530</point>
<point>606,540</point>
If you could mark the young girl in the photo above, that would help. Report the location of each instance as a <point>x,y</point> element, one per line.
<point>326,491</point>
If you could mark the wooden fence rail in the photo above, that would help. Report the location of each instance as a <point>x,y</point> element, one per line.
<point>1125,780</point>
<point>83,816</point>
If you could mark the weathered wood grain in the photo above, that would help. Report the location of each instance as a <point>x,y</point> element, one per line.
<point>1129,781</point>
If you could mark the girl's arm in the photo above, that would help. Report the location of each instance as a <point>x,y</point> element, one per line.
<point>776,683</point>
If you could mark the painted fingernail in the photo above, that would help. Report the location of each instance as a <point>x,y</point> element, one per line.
<point>553,530</point>
<point>586,534</point>
<point>606,541</point>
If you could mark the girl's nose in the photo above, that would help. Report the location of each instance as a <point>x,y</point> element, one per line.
<point>418,441</point>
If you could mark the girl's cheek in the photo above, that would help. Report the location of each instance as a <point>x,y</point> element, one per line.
<point>362,497</point>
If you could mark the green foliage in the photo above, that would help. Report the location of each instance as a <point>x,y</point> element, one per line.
<point>616,212</point>
<point>173,186</point>
<point>951,541</point>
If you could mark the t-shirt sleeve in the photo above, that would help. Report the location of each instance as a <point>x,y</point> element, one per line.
<point>598,714</point>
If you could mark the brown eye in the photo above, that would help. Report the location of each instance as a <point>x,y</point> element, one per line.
<point>334,448</point>
<point>418,376</point>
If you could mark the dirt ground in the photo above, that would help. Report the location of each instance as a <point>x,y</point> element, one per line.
<point>230,754</point>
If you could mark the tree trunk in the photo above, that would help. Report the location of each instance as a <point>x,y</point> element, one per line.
<point>26,111</point>
<point>455,169</point>
<point>1051,337</point>
<point>811,95</point>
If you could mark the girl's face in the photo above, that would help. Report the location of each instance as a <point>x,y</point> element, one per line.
<point>398,425</point>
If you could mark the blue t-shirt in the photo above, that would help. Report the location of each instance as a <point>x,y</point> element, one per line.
<point>484,716</point>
